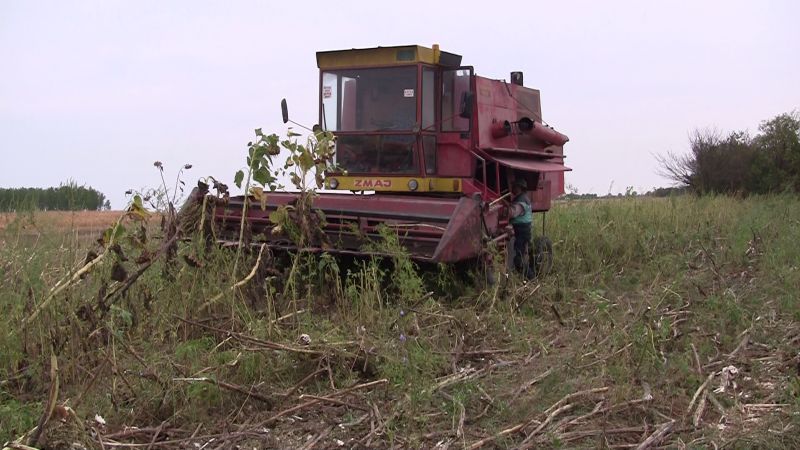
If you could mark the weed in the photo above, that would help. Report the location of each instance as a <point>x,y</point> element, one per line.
<point>652,292</point>
<point>16,418</point>
<point>192,351</point>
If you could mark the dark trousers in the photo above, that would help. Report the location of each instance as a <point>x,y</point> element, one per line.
<point>522,239</point>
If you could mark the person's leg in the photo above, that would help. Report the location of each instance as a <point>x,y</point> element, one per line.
<point>520,247</point>
<point>525,234</point>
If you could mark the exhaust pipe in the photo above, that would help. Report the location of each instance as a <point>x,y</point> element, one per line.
<point>541,131</point>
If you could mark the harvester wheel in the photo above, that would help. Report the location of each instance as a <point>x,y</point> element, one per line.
<point>541,256</point>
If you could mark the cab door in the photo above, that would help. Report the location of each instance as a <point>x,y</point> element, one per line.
<point>456,107</point>
<point>429,125</point>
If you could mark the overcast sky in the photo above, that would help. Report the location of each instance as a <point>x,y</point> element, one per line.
<point>96,91</point>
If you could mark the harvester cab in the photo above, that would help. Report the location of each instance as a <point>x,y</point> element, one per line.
<point>429,148</point>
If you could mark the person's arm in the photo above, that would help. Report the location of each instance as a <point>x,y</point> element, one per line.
<point>517,209</point>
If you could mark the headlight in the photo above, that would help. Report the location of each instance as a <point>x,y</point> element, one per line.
<point>413,185</point>
<point>333,183</point>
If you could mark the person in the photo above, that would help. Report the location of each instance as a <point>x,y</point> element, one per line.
<point>521,221</point>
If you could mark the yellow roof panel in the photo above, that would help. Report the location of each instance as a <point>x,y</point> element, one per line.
<point>385,56</point>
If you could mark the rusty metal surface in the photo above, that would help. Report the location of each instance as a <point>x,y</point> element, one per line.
<point>463,237</point>
<point>532,165</point>
<point>387,206</point>
<point>352,220</point>
<point>432,229</point>
<point>548,134</point>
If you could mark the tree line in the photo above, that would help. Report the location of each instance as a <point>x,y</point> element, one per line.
<point>66,197</point>
<point>629,192</point>
<point>738,163</point>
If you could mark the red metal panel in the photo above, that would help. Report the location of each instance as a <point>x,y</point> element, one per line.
<point>557,183</point>
<point>462,239</point>
<point>541,197</point>
<point>494,105</point>
<point>499,102</point>
<point>454,159</point>
<point>552,151</point>
<point>548,134</point>
<point>374,204</point>
<point>531,165</point>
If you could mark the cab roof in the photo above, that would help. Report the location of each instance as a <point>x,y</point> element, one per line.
<point>386,56</point>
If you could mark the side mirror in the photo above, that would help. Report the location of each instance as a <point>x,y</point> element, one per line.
<point>465,109</point>
<point>284,110</point>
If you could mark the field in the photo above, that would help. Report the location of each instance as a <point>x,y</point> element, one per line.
<point>47,222</point>
<point>664,323</point>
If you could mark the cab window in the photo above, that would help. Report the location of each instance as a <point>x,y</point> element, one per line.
<point>455,87</point>
<point>382,99</point>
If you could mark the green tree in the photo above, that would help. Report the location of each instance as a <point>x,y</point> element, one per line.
<point>67,196</point>
<point>739,163</point>
<point>778,146</point>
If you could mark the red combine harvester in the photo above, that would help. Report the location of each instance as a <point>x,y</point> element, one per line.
<point>427,148</point>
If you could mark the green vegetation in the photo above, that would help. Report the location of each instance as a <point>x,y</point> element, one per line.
<point>648,299</point>
<point>66,197</point>
<point>768,162</point>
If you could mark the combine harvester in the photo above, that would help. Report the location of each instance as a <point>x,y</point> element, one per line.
<point>426,148</point>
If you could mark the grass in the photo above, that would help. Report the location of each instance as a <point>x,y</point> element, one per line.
<point>647,297</point>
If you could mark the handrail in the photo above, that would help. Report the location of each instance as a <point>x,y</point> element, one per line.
<point>483,183</point>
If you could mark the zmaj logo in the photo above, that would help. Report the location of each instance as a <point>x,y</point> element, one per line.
<point>368,183</point>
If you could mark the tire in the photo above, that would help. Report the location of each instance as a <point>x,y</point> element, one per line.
<point>541,256</point>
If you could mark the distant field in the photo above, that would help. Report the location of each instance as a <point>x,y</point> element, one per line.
<point>68,221</point>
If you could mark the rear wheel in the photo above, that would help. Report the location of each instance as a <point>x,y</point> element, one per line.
<point>541,256</point>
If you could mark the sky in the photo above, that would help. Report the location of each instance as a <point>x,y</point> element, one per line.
<point>96,91</point>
